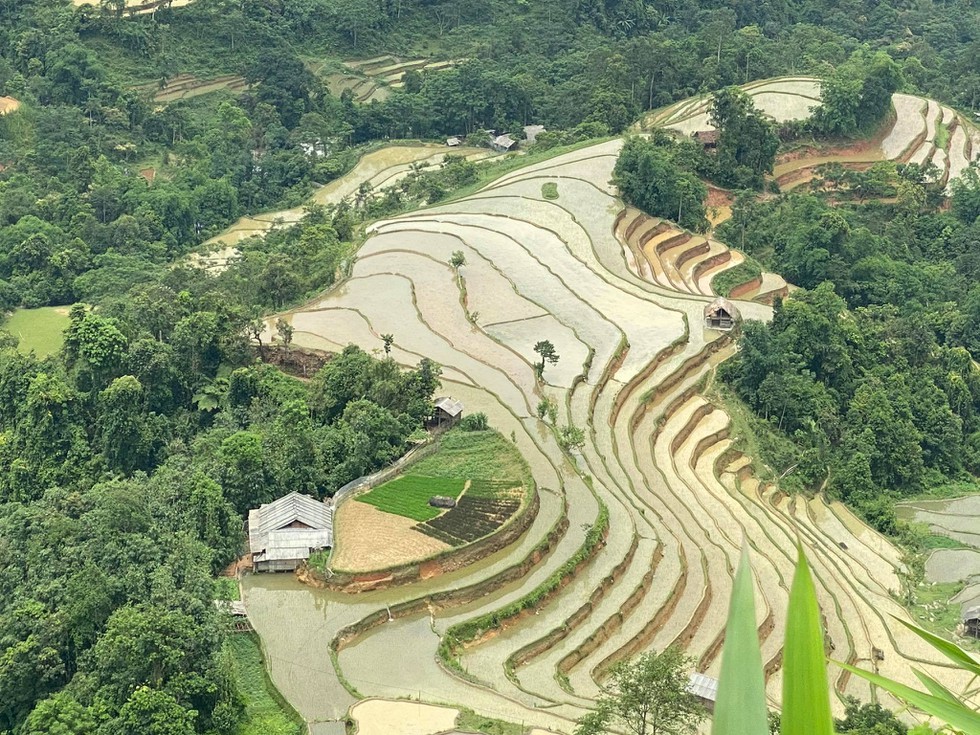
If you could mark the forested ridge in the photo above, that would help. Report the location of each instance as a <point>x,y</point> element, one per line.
<point>871,372</point>
<point>128,460</point>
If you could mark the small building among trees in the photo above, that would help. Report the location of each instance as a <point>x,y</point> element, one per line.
<point>721,314</point>
<point>707,138</point>
<point>448,412</point>
<point>503,143</point>
<point>284,533</point>
<point>705,689</point>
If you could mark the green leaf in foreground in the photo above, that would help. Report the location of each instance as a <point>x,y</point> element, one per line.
<point>741,705</point>
<point>935,688</point>
<point>949,649</point>
<point>954,714</point>
<point>806,703</point>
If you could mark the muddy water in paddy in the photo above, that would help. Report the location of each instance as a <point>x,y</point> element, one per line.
<point>297,623</point>
<point>959,519</point>
<point>382,167</point>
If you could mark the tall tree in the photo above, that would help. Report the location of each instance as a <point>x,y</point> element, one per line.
<point>647,696</point>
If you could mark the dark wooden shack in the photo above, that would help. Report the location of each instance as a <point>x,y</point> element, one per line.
<point>971,622</point>
<point>707,138</point>
<point>721,314</point>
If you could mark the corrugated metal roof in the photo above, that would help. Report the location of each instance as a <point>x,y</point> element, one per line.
<point>449,405</point>
<point>703,686</point>
<point>269,537</point>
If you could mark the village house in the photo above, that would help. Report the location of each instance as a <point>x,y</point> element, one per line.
<point>704,688</point>
<point>503,143</point>
<point>282,534</point>
<point>721,314</point>
<point>971,622</point>
<point>448,412</point>
<point>707,138</point>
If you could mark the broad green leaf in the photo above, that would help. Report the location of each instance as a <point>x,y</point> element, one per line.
<point>806,702</point>
<point>954,714</point>
<point>935,688</point>
<point>949,649</point>
<point>741,705</point>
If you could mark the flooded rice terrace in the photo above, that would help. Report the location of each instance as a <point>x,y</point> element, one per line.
<point>959,519</point>
<point>656,462</point>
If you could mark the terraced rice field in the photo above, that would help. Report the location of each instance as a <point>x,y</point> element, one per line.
<point>373,79</point>
<point>784,98</point>
<point>381,168</point>
<point>140,7</point>
<point>658,462</point>
<point>185,86</point>
<point>8,104</point>
<point>913,138</point>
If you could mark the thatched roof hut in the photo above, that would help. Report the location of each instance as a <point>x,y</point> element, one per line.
<point>721,314</point>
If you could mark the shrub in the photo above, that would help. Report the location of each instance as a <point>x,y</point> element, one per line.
<point>474,422</point>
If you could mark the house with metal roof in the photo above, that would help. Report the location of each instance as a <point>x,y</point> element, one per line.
<point>284,533</point>
<point>531,133</point>
<point>704,688</point>
<point>503,143</point>
<point>448,412</point>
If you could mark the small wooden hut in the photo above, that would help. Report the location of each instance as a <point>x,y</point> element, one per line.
<point>707,138</point>
<point>721,314</point>
<point>971,622</point>
<point>503,143</point>
<point>448,412</point>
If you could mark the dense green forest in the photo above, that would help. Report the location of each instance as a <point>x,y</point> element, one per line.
<point>871,371</point>
<point>127,461</point>
<point>79,214</point>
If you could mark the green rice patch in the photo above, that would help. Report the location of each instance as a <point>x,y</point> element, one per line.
<point>549,190</point>
<point>942,136</point>
<point>474,455</point>
<point>266,712</point>
<point>40,330</point>
<point>723,283</point>
<point>409,495</point>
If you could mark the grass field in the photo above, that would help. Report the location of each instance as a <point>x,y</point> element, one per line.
<point>265,710</point>
<point>40,330</point>
<point>409,495</point>
<point>549,190</point>
<point>474,454</point>
<point>725,281</point>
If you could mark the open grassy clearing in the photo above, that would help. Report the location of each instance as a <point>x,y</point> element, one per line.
<point>409,495</point>
<point>660,461</point>
<point>38,330</point>
<point>475,455</point>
